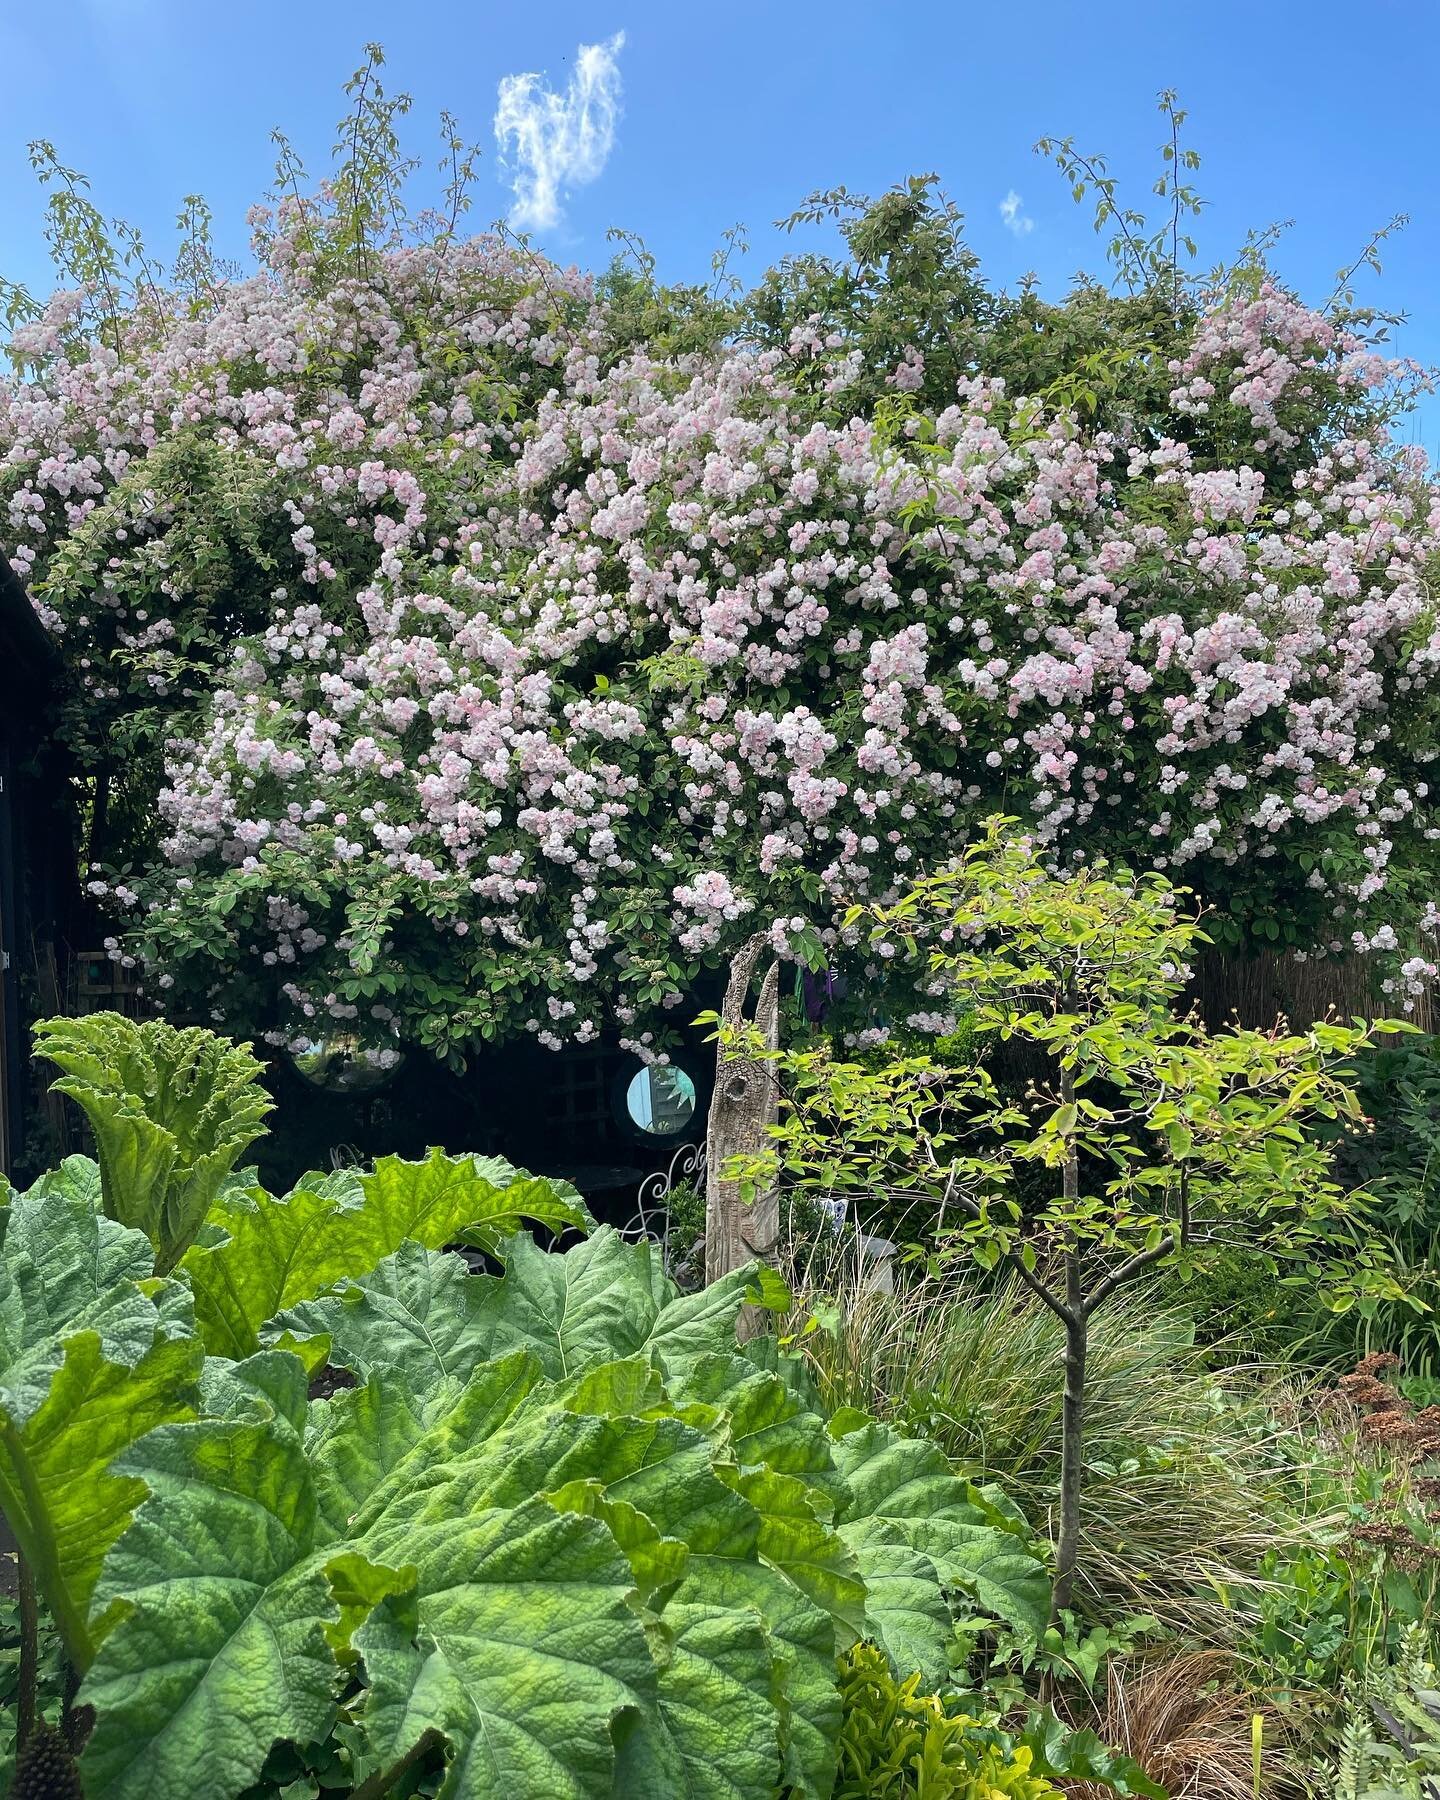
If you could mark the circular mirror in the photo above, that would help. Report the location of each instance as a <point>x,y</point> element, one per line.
<point>660,1100</point>
<point>343,1065</point>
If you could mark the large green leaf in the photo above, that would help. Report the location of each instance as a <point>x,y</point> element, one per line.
<point>276,1253</point>
<point>171,1110</point>
<point>906,1610</point>
<point>522,1651</point>
<point>419,1312</point>
<point>718,1693</point>
<point>87,1363</point>
<point>803,1639</point>
<point>607,1299</point>
<point>242,1277</point>
<point>799,1540</point>
<point>220,1645</point>
<point>375,1446</point>
<point>768,1423</point>
<point>903,1492</point>
<point>64,1269</point>
<point>491,1199</point>
<point>76,1178</point>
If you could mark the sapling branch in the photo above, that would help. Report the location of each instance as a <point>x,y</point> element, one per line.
<point>1127,1270</point>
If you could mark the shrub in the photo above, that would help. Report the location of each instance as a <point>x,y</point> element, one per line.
<point>446,630</point>
<point>559,1531</point>
<point>899,1744</point>
<point>1397,1158</point>
<point>1237,1302</point>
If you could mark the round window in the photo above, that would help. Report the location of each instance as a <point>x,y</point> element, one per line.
<point>660,1100</point>
<point>343,1065</point>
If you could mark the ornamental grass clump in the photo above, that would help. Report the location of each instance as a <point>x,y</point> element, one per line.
<point>1188,1486</point>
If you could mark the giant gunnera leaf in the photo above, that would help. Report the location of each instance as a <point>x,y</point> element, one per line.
<point>171,1110</point>
<point>88,1363</point>
<point>560,1532</point>
<point>262,1254</point>
<point>915,1525</point>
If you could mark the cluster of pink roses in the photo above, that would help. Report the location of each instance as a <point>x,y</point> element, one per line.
<point>580,667</point>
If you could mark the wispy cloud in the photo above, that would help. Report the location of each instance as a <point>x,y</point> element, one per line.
<point>555,142</point>
<point>1016,219</point>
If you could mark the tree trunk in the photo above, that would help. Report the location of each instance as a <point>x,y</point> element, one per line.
<point>745,1104</point>
<point>1072,1446</point>
<point>1072,1415</point>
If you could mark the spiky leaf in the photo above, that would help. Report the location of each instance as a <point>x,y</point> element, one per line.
<point>171,1110</point>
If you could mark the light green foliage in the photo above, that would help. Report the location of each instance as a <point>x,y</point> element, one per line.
<point>261,1254</point>
<point>561,1528</point>
<point>1389,1742</point>
<point>172,1111</point>
<point>1175,1131</point>
<point>88,1362</point>
<point>898,1743</point>
<point>1147,1138</point>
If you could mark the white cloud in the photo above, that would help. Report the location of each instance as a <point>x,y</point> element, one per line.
<point>555,142</point>
<point>1017,220</point>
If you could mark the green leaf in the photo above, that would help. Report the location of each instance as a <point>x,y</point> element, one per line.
<point>656,1562</point>
<point>370,1444</point>
<point>606,1300</point>
<point>796,1538</point>
<point>1059,1750</point>
<point>276,1253</point>
<point>904,1492</point>
<point>717,1698</point>
<point>171,1110</point>
<point>222,1615</point>
<point>418,1312</point>
<point>906,1609</point>
<point>803,1637</point>
<point>77,1178</point>
<point>523,1652</point>
<point>769,1423</point>
<point>88,1363</point>
<point>463,1188</point>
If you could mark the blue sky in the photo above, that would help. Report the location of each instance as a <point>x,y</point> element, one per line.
<point>732,112</point>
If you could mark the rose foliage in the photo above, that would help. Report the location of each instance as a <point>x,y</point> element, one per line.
<point>497,646</point>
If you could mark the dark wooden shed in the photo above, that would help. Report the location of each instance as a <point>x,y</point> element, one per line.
<point>37,875</point>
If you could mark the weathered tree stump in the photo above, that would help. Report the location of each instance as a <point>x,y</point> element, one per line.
<point>744,1105</point>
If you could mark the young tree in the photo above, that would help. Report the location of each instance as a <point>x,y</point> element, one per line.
<point>1143,1138</point>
